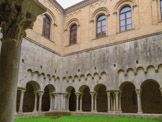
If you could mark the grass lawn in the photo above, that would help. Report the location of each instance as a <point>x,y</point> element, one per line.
<point>84,119</point>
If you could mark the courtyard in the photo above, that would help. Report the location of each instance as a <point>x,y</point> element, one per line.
<point>83,119</point>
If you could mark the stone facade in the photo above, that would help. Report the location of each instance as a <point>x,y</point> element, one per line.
<point>117,73</point>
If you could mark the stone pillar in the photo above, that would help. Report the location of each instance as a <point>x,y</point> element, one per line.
<point>138,91</point>
<point>40,100</point>
<point>117,101</point>
<point>35,102</point>
<point>21,101</point>
<point>64,101</point>
<point>81,102</point>
<point>55,101</point>
<point>19,16</point>
<point>68,96</point>
<point>77,101</point>
<point>51,102</point>
<point>92,101</point>
<point>95,109</point>
<point>108,101</point>
<point>120,102</point>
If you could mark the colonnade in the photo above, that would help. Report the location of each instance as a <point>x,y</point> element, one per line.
<point>113,104</point>
<point>126,100</point>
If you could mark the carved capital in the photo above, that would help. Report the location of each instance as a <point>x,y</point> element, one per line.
<point>16,16</point>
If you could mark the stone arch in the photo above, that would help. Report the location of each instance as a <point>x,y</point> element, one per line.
<point>29,96</point>
<point>128,98</point>
<point>46,97</point>
<point>52,16</point>
<point>151,98</point>
<point>86,98</point>
<point>72,22</point>
<point>123,3</point>
<point>72,98</point>
<point>101,98</point>
<point>100,11</point>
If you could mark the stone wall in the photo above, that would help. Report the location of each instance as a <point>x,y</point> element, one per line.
<point>134,61</point>
<point>39,64</point>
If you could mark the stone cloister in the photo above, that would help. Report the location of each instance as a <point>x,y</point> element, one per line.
<point>126,100</point>
<point>56,61</point>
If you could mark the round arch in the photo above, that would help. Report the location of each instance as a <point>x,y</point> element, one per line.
<point>101,98</point>
<point>128,98</point>
<point>29,96</point>
<point>86,98</point>
<point>151,98</point>
<point>46,98</point>
<point>72,98</point>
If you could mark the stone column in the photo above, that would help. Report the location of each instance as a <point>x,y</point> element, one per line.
<point>120,102</point>
<point>92,101</point>
<point>68,96</point>
<point>138,91</point>
<point>21,101</point>
<point>35,102</point>
<point>40,100</point>
<point>64,101</point>
<point>95,109</point>
<point>51,102</point>
<point>77,101</point>
<point>55,102</point>
<point>81,102</point>
<point>117,101</point>
<point>19,16</point>
<point>108,101</point>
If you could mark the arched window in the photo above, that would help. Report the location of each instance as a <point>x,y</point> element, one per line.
<point>125,18</point>
<point>46,26</point>
<point>101,26</point>
<point>73,34</point>
<point>161,8</point>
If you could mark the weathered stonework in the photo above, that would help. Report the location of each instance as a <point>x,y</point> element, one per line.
<point>114,74</point>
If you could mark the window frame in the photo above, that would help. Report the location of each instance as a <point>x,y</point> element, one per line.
<point>125,19</point>
<point>46,23</point>
<point>73,30</point>
<point>102,33</point>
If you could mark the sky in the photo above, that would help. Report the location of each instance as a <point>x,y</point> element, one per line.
<point>67,3</point>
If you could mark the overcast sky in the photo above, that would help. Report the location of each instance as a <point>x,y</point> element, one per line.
<point>68,3</point>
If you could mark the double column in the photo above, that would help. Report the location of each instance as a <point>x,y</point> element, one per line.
<point>114,102</point>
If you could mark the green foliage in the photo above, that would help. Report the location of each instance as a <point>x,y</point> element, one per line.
<point>84,119</point>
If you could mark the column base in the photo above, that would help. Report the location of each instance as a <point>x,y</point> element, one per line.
<point>20,112</point>
<point>139,112</point>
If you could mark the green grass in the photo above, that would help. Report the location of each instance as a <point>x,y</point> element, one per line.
<point>84,119</point>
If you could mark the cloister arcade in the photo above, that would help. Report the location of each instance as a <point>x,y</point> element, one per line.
<point>127,99</point>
